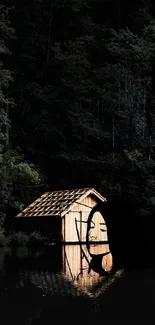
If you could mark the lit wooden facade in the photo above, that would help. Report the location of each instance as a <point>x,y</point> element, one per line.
<point>74,222</point>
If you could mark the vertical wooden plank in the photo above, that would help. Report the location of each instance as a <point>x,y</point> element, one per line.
<point>64,228</point>
<point>80,225</point>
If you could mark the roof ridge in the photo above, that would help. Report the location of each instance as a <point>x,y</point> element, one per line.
<point>70,189</point>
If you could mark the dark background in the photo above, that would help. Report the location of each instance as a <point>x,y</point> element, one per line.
<point>77,106</point>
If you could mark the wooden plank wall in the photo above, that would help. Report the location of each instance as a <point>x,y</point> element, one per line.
<point>74,223</point>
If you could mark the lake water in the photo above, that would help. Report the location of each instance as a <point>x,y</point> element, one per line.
<point>67,269</point>
<point>37,285</point>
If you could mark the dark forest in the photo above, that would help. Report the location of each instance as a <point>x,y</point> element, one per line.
<point>77,103</point>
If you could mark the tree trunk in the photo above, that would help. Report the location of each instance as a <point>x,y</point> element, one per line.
<point>144,106</point>
<point>49,37</point>
<point>150,147</point>
<point>118,14</point>
<point>7,127</point>
<point>113,132</point>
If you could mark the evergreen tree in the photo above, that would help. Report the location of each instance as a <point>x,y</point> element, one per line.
<point>18,179</point>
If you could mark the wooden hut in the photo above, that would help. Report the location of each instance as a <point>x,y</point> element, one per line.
<point>64,215</point>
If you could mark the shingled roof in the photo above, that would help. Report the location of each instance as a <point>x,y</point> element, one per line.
<point>57,203</point>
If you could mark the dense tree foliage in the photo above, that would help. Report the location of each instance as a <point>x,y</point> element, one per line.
<point>81,103</point>
<point>18,179</point>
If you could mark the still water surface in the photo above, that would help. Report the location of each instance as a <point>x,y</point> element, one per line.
<point>37,286</point>
<point>67,269</point>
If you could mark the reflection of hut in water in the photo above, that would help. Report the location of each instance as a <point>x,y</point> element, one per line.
<point>64,270</point>
<point>66,216</point>
<point>78,267</point>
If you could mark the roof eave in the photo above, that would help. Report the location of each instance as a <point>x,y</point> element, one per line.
<point>37,216</point>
